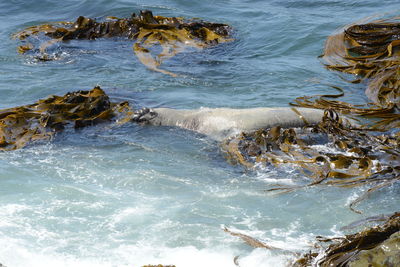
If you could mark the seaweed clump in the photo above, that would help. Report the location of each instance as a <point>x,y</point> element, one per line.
<point>370,51</point>
<point>41,120</point>
<point>376,246</point>
<point>331,153</point>
<point>172,34</point>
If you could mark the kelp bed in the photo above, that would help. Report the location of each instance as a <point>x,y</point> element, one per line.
<point>172,34</point>
<point>331,153</point>
<point>20,126</point>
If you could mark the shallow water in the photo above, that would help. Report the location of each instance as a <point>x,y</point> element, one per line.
<point>130,195</point>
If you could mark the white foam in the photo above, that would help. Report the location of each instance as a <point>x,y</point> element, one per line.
<point>351,198</point>
<point>262,258</point>
<point>130,214</point>
<point>16,254</point>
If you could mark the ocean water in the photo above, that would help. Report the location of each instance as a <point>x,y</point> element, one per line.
<point>130,195</point>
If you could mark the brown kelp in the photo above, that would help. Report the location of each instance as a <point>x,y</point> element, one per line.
<point>41,120</point>
<point>376,246</point>
<point>350,157</point>
<point>172,34</point>
<point>255,243</point>
<point>383,117</point>
<point>251,241</point>
<point>366,154</point>
<point>370,51</point>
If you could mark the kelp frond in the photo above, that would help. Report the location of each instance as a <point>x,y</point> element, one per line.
<point>172,34</point>
<point>383,117</point>
<point>251,241</point>
<point>39,121</point>
<point>370,51</point>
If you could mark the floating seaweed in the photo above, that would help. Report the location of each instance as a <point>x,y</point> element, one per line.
<point>41,120</point>
<point>376,246</point>
<point>353,156</point>
<point>251,241</point>
<point>172,34</point>
<point>364,221</point>
<point>384,118</point>
<point>370,51</point>
<point>255,243</point>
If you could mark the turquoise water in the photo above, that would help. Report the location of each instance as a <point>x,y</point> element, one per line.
<point>131,195</point>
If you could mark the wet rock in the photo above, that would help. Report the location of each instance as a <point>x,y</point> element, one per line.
<point>385,254</point>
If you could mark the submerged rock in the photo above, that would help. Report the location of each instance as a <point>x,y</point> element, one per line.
<point>172,34</point>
